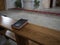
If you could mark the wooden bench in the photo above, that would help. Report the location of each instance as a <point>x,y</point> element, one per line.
<point>37,34</point>
<point>10,35</point>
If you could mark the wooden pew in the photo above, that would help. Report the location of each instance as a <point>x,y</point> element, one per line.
<point>37,34</point>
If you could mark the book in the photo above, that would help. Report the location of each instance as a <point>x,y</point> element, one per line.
<point>19,24</point>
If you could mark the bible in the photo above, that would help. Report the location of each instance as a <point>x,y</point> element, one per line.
<point>19,24</point>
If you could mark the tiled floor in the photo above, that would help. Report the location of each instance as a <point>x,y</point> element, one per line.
<point>55,9</point>
<point>46,20</point>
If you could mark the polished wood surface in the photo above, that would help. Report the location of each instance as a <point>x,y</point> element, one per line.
<point>38,34</point>
<point>21,40</point>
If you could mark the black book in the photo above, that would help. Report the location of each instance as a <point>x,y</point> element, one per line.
<point>19,24</point>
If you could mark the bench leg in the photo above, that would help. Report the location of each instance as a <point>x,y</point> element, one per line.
<point>3,33</point>
<point>21,40</point>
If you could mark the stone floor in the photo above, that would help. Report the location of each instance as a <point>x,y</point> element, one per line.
<point>46,20</point>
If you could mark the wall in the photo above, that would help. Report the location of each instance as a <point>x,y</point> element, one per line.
<point>29,4</point>
<point>10,4</point>
<point>46,3</point>
<point>54,3</point>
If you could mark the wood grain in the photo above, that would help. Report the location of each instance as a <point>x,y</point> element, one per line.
<point>38,34</point>
<point>21,40</point>
<point>2,4</point>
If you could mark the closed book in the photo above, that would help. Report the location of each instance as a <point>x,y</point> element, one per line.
<point>19,24</point>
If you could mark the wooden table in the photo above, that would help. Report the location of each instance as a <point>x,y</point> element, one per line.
<point>38,34</point>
